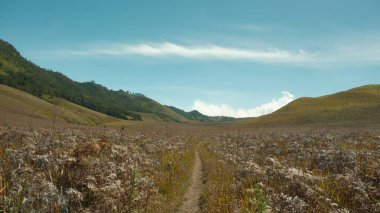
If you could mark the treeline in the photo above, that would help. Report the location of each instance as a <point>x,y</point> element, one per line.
<point>197,116</point>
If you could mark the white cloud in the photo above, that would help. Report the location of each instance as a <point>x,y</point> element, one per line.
<point>225,110</point>
<point>195,52</point>
<point>342,50</point>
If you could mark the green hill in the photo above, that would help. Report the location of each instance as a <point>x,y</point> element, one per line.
<point>15,102</point>
<point>360,105</point>
<point>17,72</point>
<point>197,116</point>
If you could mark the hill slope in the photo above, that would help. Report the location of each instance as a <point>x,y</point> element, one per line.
<point>197,116</point>
<point>355,106</point>
<point>15,102</point>
<point>17,72</point>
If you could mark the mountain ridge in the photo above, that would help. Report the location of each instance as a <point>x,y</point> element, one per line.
<point>196,115</point>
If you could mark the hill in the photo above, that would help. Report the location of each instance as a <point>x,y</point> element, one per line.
<point>15,102</point>
<point>359,105</point>
<point>17,72</point>
<point>197,116</point>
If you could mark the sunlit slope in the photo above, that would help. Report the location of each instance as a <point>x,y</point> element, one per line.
<point>360,105</point>
<point>14,101</point>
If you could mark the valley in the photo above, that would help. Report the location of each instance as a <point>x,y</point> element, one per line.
<point>68,146</point>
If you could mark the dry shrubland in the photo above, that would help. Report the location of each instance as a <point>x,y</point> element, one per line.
<point>91,170</point>
<point>306,171</point>
<point>147,169</point>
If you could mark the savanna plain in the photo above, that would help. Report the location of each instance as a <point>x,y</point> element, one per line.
<point>49,166</point>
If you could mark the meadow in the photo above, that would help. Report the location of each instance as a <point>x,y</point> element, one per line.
<point>147,168</point>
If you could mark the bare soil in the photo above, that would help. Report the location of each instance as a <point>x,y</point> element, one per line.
<point>193,193</point>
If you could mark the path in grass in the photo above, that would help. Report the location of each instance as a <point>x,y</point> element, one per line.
<point>193,193</point>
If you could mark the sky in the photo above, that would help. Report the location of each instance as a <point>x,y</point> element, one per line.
<point>234,58</point>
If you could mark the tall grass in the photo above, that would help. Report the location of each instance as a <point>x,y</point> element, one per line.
<point>4,169</point>
<point>2,193</point>
<point>225,191</point>
<point>218,194</point>
<point>173,176</point>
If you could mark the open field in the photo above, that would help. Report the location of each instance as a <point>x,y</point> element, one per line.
<point>147,168</point>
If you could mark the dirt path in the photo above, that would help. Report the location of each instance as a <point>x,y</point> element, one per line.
<point>193,194</point>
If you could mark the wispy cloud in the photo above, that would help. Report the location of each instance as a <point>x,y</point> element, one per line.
<point>357,49</point>
<point>366,51</point>
<point>226,110</point>
<point>194,52</point>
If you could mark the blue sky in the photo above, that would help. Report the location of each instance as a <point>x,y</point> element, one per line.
<point>238,58</point>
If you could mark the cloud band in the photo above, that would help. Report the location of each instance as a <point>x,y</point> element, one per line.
<point>196,52</point>
<point>225,110</point>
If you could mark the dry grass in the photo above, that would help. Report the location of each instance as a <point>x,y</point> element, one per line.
<point>86,169</point>
<point>89,169</point>
<point>174,172</point>
<point>292,172</point>
<point>224,192</point>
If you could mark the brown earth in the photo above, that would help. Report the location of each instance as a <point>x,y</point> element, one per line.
<point>193,193</point>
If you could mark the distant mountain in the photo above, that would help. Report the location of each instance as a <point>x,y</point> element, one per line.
<point>360,105</point>
<point>17,72</point>
<point>197,116</point>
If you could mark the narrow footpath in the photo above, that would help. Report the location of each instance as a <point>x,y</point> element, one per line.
<point>193,193</point>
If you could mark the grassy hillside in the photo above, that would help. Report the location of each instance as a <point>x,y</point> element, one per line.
<point>17,72</point>
<point>17,102</point>
<point>356,106</point>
